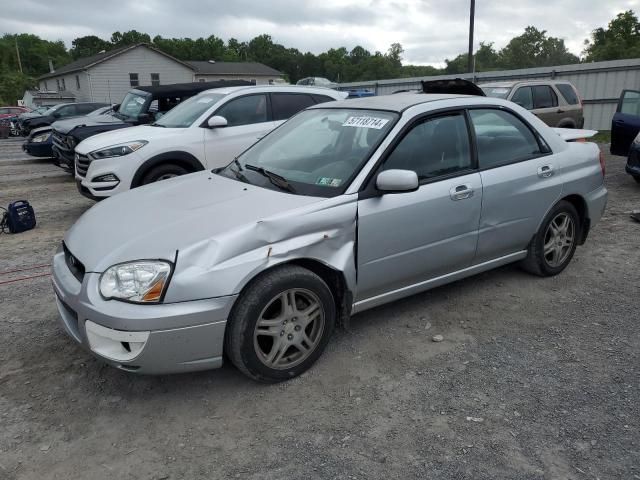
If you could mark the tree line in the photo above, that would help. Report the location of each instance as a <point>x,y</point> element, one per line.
<point>24,57</point>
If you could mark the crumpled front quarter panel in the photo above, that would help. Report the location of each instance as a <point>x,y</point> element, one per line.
<point>223,265</point>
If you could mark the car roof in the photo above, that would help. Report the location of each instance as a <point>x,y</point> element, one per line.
<point>275,88</point>
<point>511,83</point>
<point>393,103</point>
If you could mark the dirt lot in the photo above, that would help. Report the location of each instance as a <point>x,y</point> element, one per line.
<point>535,379</point>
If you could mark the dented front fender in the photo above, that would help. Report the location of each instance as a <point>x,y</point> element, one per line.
<point>223,265</point>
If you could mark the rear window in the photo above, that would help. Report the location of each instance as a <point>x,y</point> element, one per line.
<point>287,104</point>
<point>568,93</point>
<point>496,92</point>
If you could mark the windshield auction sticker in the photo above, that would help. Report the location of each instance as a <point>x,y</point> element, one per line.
<point>366,122</point>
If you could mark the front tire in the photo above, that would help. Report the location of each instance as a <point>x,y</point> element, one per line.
<point>280,324</point>
<point>163,172</point>
<point>553,246</point>
<point>637,178</point>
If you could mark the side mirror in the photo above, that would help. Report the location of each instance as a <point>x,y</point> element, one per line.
<point>55,114</point>
<point>396,181</point>
<point>217,122</point>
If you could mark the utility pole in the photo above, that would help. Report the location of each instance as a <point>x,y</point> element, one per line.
<point>18,54</point>
<point>472,13</point>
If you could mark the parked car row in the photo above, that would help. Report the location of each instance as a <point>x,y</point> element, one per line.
<point>297,224</point>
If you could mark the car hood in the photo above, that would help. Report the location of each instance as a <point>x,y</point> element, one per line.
<point>158,220</point>
<point>24,116</point>
<point>115,137</point>
<point>65,126</point>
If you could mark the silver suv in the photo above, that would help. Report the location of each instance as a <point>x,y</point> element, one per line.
<point>556,103</point>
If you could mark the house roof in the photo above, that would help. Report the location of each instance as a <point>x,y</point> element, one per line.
<point>51,95</point>
<point>87,62</point>
<point>232,68</point>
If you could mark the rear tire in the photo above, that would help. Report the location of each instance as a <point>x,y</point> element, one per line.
<point>163,172</point>
<point>280,324</point>
<point>552,248</point>
<point>637,179</point>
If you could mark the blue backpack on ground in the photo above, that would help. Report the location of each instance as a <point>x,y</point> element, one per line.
<point>18,217</point>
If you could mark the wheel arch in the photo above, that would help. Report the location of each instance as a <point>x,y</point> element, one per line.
<point>580,205</point>
<point>181,158</point>
<point>334,278</point>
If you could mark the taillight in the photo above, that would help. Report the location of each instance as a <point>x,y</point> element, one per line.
<point>603,167</point>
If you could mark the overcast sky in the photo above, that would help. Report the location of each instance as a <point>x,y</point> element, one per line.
<point>429,30</point>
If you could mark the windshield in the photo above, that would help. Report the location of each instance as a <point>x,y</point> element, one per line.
<point>317,152</point>
<point>496,92</point>
<point>183,115</point>
<point>132,104</point>
<point>51,110</point>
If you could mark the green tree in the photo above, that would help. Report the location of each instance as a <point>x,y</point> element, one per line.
<point>621,39</point>
<point>86,46</point>
<point>129,38</point>
<point>535,49</point>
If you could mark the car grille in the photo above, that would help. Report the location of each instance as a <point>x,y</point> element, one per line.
<point>60,141</point>
<point>82,165</point>
<point>75,266</point>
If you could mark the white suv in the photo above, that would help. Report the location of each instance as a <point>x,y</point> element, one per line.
<point>206,131</point>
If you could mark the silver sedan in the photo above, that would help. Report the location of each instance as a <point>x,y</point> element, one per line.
<point>346,206</point>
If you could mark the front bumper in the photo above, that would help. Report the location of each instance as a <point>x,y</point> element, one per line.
<point>87,170</point>
<point>150,339</point>
<point>38,149</point>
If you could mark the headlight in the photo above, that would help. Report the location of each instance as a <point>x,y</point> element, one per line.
<point>118,150</point>
<point>42,137</point>
<point>144,281</point>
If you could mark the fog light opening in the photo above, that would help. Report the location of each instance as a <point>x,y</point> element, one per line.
<point>109,177</point>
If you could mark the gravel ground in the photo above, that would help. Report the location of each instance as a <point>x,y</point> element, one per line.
<point>535,378</point>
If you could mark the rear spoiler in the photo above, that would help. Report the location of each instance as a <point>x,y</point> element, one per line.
<point>574,134</point>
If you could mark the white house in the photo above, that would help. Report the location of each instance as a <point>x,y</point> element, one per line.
<point>108,76</point>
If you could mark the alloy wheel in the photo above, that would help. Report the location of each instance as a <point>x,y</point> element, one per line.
<point>559,239</point>
<point>289,329</point>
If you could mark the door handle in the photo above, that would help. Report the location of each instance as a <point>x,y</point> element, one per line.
<point>545,171</point>
<point>461,192</point>
<point>560,111</point>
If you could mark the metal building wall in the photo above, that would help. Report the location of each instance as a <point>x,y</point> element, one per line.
<point>599,84</point>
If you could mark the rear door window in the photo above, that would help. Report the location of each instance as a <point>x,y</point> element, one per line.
<point>523,97</point>
<point>322,98</point>
<point>544,97</point>
<point>502,138</point>
<point>285,105</point>
<point>245,110</point>
<point>568,93</point>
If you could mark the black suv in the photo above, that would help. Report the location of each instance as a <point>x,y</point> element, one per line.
<point>57,112</point>
<point>141,105</point>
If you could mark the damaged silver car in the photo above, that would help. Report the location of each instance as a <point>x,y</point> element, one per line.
<point>346,206</point>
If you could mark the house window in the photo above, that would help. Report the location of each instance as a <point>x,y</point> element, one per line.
<point>64,87</point>
<point>155,79</point>
<point>133,80</point>
<point>58,84</point>
<point>77,82</point>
